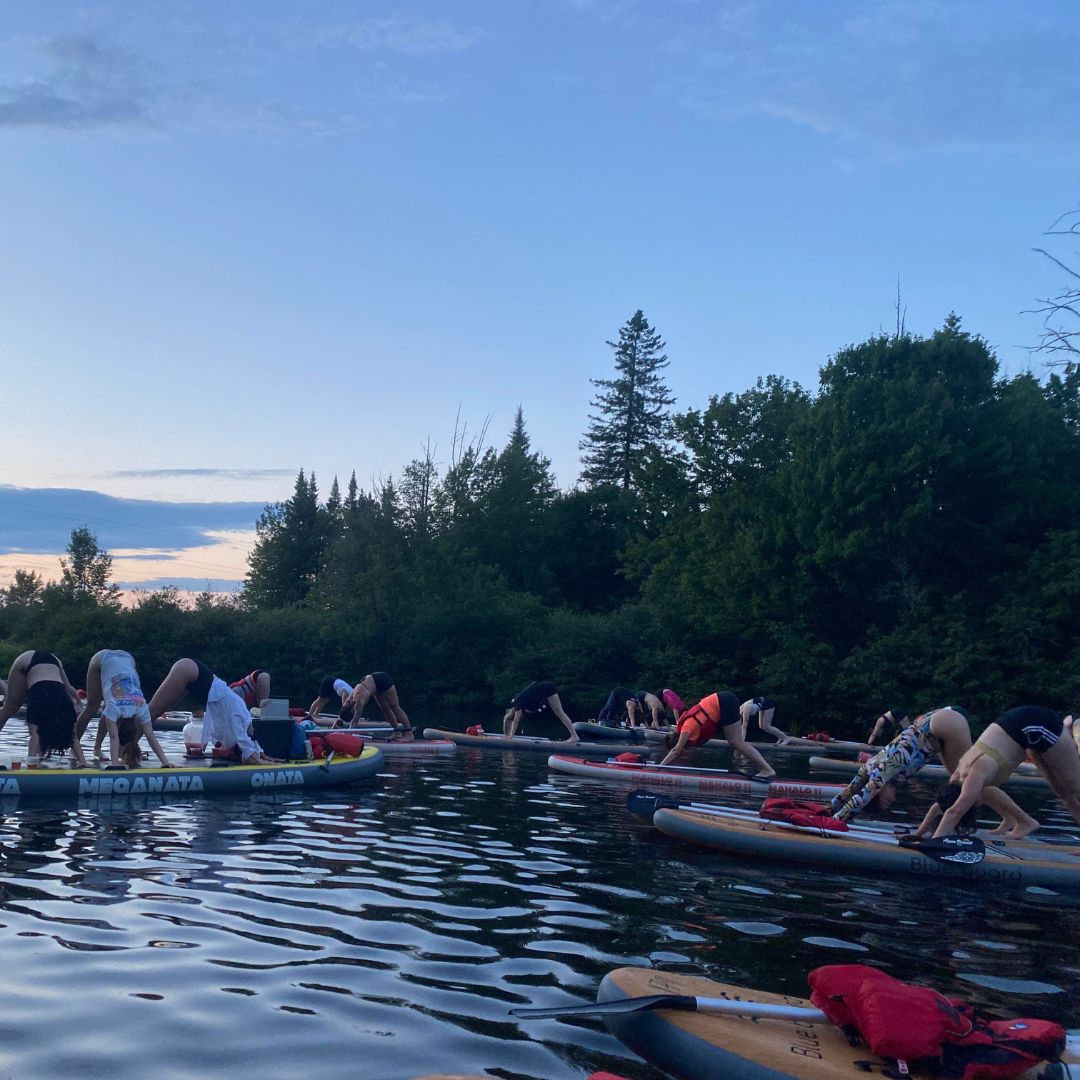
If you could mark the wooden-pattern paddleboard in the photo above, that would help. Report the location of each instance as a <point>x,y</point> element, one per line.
<point>705,1046</point>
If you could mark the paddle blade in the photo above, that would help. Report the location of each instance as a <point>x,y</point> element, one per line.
<point>613,1008</point>
<point>645,803</point>
<point>961,850</point>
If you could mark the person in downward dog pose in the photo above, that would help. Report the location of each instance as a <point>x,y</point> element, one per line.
<point>112,681</point>
<point>650,708</point>
<point>893,716</point>
<point>380,686</point>
<point>38,679</point>
<point>620,709</point>
<point>944,732</point>
<point>764,709</point>
<point>253,688</point>
<point>329,689</point>
<point>673,702</point>
<point>701,722</point>
<point>226,718</point>
<point>1027,730</point>
<point>537,697</point>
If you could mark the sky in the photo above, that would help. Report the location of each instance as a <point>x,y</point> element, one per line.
<point>248,238</point>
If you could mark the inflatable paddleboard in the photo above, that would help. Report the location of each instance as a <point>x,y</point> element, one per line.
<point>1006,862</point>
<point>381,737</point>
<point>1022,777</point>
<point>602,733</point>
<point>187,780</point>
<point>679,778</point>
<point>528,743</point>
<point>707,1046</point>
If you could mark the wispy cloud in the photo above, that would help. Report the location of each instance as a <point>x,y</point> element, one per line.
<point>266,78</point>
<point>891,77</point>
<point>84,84</point>
<point>223,474</point>
<point>409,36</point>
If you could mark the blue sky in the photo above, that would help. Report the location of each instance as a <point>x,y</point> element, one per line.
<point>243,239</point>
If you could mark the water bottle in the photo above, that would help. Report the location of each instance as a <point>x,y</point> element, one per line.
<point>193,738</point>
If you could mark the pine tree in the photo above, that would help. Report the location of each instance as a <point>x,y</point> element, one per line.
<point>631,410</point>
<point>352,496</point>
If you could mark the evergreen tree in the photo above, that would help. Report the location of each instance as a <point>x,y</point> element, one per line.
<point>631,409</point>
<point>86,571</point>
<point>352,497</point>
<point>290,545</point>
<point>514,530</point>
<point>334,514</point>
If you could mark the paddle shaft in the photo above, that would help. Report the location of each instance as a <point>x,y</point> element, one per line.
<point>724,773</point>
<point>680,1002</point>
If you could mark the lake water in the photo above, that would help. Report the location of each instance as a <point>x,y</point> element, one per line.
<point>384,930</point>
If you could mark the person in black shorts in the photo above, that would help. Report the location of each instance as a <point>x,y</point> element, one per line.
<point>380,686</point>
<point>186,676</point>
<point>329,689</point>
<point>619,710</point>
<point>1028,730</point>
<point>38,679</point>
<point>537,697</point>
<point>226,719</point>
<point>764,709</point>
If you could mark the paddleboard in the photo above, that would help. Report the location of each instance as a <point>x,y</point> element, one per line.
<point>381,737</point>
<point>187,780</point>
<point>679,778</point>
<point>529,743</point>
<point>1021,777</point>
<point>1006,862</point>
<point>706,1046</point>
<point>602,733</point>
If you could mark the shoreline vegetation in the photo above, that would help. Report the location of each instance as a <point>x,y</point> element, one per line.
<point>908,532</point>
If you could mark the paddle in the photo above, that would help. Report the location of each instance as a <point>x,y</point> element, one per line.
<point>963,850</point>
<point>682,1002</point>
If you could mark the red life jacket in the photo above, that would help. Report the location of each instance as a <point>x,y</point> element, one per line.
<point>800,812</point>
<point>909,1023</point>
<point>246,688</point>
<point>702,720</point>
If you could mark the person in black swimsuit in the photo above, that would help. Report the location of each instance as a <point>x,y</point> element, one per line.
<point>380,686</point>
<point>1029,730</point>
<point>38,679</point>
<point>537,697</point>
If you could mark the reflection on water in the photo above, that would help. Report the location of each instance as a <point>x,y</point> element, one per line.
<point>385,930</point>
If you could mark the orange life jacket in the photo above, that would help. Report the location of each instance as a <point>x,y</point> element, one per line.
<point>702,720</point>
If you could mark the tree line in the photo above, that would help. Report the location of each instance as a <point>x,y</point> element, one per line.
<point>906,533</point>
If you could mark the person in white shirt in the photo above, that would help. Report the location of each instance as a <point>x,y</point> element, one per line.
<point>226,717</point>
<point>329,689</point>
<point>112,681</point>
